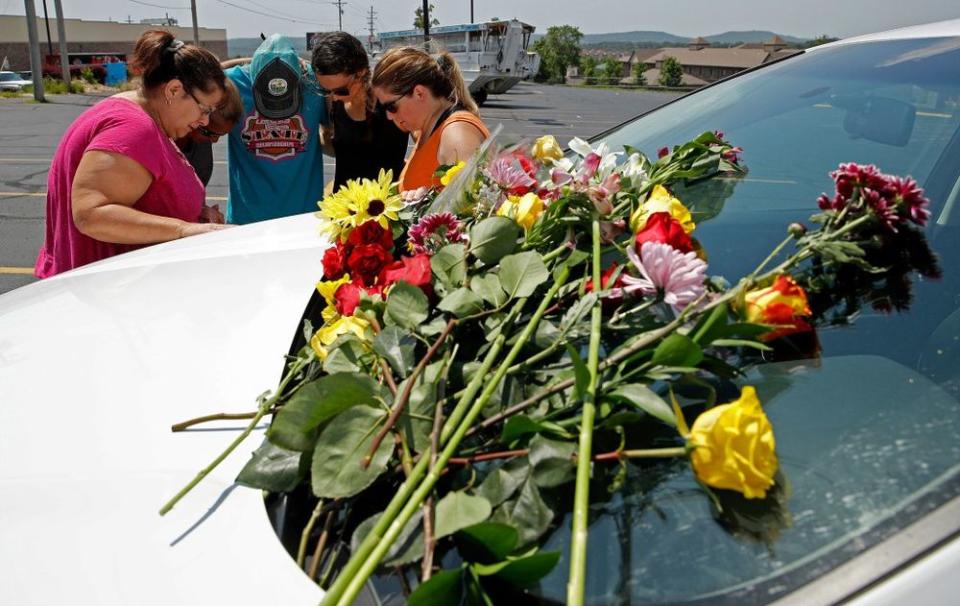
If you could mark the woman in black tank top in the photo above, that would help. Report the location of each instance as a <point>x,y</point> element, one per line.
<point>361,139</point>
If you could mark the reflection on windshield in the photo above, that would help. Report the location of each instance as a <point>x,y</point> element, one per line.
<point>868,413</point>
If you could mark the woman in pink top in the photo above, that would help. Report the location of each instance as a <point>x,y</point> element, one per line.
<point>118,181</point>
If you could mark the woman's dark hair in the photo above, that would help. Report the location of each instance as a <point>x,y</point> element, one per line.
<point>159,57</point>
<point>338,53</point>
<point>401,69</point>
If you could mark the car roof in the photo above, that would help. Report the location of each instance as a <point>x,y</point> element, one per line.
<point>938,29</point>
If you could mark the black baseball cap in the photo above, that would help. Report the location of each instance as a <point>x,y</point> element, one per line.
<point>275,69</point>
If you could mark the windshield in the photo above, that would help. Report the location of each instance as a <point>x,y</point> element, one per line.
<point>8,76</point>
<point>868,430</point>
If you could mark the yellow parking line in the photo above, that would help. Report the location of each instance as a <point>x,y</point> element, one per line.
<point>16,270</point>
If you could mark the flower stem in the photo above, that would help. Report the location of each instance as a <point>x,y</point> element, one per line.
<point>305,535</point>
<point>345,592</point>
<point>581,501</point>
<point>265,407</point>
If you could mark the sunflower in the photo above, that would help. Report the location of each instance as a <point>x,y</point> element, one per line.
<point>359,201</point>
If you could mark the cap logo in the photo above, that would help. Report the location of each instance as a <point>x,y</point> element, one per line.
<point>277,87</point>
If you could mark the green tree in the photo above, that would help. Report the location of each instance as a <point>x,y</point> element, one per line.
<point>418,18</point>
<point>821,39</point>
<point>638,78</point>
<point>558,49</point>
<point>612,70</point>
<point>588,66</point>
<point>671,72</point>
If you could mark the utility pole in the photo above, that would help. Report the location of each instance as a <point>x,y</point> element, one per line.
<point>196,30</point>
<point>471,11</point>
<point>46,22</point>
<point>339,4</point>
<point>35,66</point>
<point>370,24</point>
<point>62,42</point>
<point>426,25</point>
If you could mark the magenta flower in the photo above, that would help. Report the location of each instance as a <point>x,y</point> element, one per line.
<point>909,197</point>
<point>433,232</point>
<point>892,200</point>
<point>665,271</point>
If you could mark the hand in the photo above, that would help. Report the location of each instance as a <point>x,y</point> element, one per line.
<point>211,214</point>
<point>194,229</point>
<point>412,196</point>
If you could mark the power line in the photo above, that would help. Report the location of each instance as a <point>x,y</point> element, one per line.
<point>172,8</point>
<point>339,4</point>
<point>290,19</point>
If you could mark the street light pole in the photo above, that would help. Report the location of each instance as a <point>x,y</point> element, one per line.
<point>46,22</point>
<point>62,42</point>
<point>35,65</point>
<point>426,25</point>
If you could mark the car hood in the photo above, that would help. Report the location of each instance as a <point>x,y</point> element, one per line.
<point>96,364</point>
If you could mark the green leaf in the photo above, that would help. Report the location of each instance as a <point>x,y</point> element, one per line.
<point>523,571</point>
<point>707,328</point>
<point>577,312</point>
<point>461,303</point>
<point>407,548</point>
<point>528,513</point>
<point>522,273</point>
<point>407,306</point>
<point>581,372</point>
<point>552,461</point>
<point>493,238</point>
<point>449,264</point>
<point>273,468</point>
<point>342,445</point>
<point>346,355</point>
<point>457,510</point>
<point>294,426</point>
<point>444,588</point>
<point>487,542</point>
<point>742,343</point>
<point>487,287</point>
<point>396,346</point>
<point>518,426</point>
<point>645,399</point>
<point>677,350</point>
<point>502,482</point>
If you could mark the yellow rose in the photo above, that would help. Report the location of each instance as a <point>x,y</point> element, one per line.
<point>547,150</point>
<point>661,200</point>
<point>783,303</point>
<point>451,173</point>
<point>524,210</point>
<point>329,332</point>
<point>733,446</point>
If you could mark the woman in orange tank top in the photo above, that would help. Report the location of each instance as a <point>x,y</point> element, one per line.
<point>425,95</point>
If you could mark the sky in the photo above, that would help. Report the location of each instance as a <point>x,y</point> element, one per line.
<point>801,18</point>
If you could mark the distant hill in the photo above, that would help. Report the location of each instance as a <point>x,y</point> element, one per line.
<point>244,47</point>
<point>666,39</point>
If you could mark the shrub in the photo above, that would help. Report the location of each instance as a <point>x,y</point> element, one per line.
<point>89,73</point>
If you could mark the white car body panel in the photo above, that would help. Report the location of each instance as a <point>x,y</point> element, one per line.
<point>81,483</point>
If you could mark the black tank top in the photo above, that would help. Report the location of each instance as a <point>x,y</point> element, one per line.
<point>364,147</point>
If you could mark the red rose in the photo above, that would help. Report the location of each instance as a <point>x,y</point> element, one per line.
<point>333,263</point>
<point>661,227</point>
<point>366,261</point>
<point>413,270</point>
<point>371,233</point>
<point>608,302</point>
<point>347,298</point>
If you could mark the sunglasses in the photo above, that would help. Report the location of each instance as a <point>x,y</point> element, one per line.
<point>390,107</point>
<point>206,109</point>
<point>340,91</point>
<point>206,132</point>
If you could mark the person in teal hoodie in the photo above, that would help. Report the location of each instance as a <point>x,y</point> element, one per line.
<point>274,153</point>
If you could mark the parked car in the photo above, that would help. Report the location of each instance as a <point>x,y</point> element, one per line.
<point>97,363</point>
<point>13,81</point>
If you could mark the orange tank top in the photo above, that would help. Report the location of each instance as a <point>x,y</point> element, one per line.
<point>419,169</point>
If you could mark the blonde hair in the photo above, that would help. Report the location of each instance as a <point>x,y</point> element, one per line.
<point>401,69</point>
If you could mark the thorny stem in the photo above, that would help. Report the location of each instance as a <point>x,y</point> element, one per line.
<point>221,416</point>
<point>405,395</point>
<point>613,455</point>
<point>384,366</point>
<point>321,545</point>
<point>429,540</point>
<point>265,407</point>
<point>305,535</point>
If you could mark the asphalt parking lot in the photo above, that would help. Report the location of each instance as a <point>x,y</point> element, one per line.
<point>30,133</point>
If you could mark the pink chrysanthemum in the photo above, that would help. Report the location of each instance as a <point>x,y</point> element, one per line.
<point>666,271</point>
<point>907,193</point>
<point>433,232</point>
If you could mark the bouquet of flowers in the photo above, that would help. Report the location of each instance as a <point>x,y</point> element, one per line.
<point>478,339</point>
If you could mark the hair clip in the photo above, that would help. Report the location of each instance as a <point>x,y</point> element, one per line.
<point>174,46</point>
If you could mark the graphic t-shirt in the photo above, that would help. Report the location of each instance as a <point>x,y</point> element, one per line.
<point>275,166</point>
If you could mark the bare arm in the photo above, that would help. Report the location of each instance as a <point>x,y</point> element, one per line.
<point>105,188</point>
<point>232,62</point>
<point>458,142</point>
<point>326,139</point>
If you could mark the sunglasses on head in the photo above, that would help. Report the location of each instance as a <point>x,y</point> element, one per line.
<point>206,132</point>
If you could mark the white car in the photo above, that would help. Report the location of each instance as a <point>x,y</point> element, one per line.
<point>12,81</point>
<point>97,363</point>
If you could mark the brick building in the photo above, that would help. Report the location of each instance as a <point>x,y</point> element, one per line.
<point>91,37</point>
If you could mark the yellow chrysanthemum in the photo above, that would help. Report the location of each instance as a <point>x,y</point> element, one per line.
<point>330,331</point>
<point>659,201</point>
<point>451,173</point>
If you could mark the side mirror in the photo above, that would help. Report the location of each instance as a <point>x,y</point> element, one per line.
<point>880,119</point>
